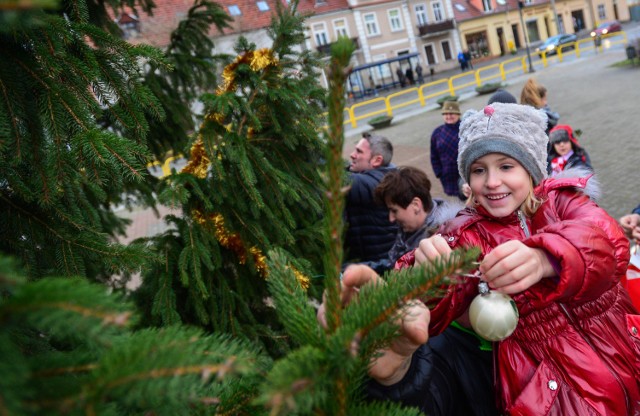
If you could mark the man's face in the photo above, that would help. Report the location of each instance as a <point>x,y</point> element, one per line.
<point>451,118</point>
<point>361,159</point>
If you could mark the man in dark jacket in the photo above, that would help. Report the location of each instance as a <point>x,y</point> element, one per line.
<point>370,234</point>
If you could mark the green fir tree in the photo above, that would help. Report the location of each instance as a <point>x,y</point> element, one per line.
<point>261,203</point>
<point>79,115</point>
<point>251,185</point>
<point>67,347</point>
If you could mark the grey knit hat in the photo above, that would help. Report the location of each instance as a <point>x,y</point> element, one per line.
<point>515,130</point>
<point>502,96</point>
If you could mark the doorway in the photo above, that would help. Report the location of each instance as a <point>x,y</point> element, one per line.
<point>502,41</point>
<point>516,36</point>
<point>578,20</point>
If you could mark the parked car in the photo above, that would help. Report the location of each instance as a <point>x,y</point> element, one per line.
<point>552,44</point>
<point>607,27</point>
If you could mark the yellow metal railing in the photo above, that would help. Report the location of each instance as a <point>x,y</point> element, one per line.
<point>424,93</point>
<point>449,86</point>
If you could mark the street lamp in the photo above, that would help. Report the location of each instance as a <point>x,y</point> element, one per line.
<point>526,37</point>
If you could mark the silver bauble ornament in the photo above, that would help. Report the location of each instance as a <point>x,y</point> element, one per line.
<point>494,316</point>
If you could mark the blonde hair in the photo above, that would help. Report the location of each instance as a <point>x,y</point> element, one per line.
<point>533,93</point>
<point>531,202</point>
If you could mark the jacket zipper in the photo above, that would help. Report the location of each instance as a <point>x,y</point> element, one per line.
<point>523,224</point>
<point>572,320</point>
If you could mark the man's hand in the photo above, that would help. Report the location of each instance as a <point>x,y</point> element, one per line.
<point>631,226</point>
<point>392,363</point>
<point>513,267</point>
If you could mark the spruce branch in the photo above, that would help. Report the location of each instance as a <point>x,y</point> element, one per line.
<point>334,202</point>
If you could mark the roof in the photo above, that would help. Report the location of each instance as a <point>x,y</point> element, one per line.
<point>472,9</point>
<point>253,15</point>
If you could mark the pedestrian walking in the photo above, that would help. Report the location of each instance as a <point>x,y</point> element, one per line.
<point>400,75</point>
<point>409,76</point>
<point>419,73</point>
<point>467,58</point>
<point>462,61</point>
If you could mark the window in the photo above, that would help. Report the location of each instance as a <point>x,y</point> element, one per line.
<point>395,22</point>
<point>340,28</point>
<point>234,10</point>
<point>320,34</point>
<point>371,24</point>
<point>129,24</point>
<point>421,14</point>
<point>602,13</point>
<point>460,7</point>
<point>437,11</point>
<point>446,50</point>
<point>486,5</point>
<point>262,6</point>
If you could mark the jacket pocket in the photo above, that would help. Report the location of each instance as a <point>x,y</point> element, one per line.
<point>545,394</point>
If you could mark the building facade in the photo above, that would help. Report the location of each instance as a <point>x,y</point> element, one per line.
<point>494,27</point>
<point>429,33</point>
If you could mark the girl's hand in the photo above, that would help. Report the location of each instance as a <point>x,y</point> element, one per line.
<point>431,248</point>
<point>512,267</point>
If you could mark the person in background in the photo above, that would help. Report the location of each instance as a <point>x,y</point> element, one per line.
<point>444,149</point>
<point>409,76</point>
<point>419,73</point>
<point>406,192</point>
<point>369,234</point>
<point>502,96</point>
<point>535,95</point>
<point>566,152</point>
<point>400,75</point>
<point>462,61</point>
<point>631,225</point>
<point>467,58</point>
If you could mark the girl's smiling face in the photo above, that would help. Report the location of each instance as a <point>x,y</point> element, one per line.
<point>499,183</point>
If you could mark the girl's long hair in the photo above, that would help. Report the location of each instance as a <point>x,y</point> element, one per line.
<point>531,202</point>
<point>532,94</point>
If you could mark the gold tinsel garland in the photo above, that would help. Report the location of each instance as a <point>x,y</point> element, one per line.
<point>257,60</point>
<point>199,161</point>
<point>233,242</point>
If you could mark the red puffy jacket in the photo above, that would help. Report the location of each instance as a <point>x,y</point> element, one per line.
<point>576,349</point>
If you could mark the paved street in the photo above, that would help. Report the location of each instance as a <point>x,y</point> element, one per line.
<point>589,93</point>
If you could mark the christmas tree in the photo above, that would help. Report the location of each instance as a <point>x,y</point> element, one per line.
<point>76,113</point>
<point>251,185</point>
<point>262,212</point>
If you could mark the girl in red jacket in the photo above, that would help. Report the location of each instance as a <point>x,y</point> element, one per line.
<point>576,347</point>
